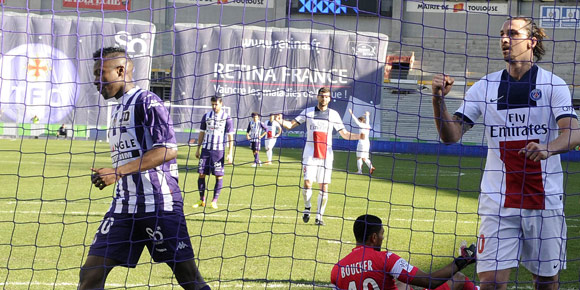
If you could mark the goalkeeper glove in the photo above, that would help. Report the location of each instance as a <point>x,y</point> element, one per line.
<point>468,256</point>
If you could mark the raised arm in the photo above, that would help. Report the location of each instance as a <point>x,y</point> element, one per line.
<point>354,118</point>
<point>450,127</point>
<point>368,118</point>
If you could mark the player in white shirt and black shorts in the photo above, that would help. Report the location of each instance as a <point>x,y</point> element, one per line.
<point>317,157</point>
<point>529,119</point>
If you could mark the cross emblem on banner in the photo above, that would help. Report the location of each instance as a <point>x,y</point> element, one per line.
<point>35,65</point>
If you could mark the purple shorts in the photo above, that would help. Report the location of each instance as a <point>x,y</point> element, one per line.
<point>211,162</point>
<point>122,237</point>
<point>255,145</point>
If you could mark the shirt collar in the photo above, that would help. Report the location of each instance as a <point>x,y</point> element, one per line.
<point>128,94</point>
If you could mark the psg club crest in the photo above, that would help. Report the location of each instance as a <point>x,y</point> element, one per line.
<point>37,80</point>
<point>535,94</point>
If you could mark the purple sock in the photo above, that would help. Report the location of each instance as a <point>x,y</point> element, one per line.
<point>201,187</point>
<point>257,158</point>
<point>218,188</point>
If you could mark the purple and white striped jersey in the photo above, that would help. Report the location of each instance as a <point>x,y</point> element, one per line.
<point>216,126</point>
<point>139,123</point>
<point>255,130</point>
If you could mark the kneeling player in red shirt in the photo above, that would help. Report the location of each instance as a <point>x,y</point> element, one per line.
<point>367,267</point>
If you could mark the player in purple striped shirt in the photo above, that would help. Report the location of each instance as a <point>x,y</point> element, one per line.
<point>147,210</point>
<point>215,125</point>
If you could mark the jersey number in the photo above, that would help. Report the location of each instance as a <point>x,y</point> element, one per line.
<point>366,283</point>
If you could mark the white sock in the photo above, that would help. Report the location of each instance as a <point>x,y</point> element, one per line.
<point>322,200</point>
<point>269,154</point>
<point>307,194</point>
<point>369,163</point>
<point>359,163</point>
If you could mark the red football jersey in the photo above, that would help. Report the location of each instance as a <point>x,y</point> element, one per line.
<point>367,268</point>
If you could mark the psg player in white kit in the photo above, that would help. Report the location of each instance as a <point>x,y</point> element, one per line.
<point>529,120</point>
<point>273,131</point>
<point>363,147</point>
<point>317,157</point>
<point>147,209</point>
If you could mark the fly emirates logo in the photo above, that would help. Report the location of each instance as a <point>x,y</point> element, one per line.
<point>517,125</point>
<point>319,126</point>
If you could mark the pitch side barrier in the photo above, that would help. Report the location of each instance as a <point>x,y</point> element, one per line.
<point>402,147</point>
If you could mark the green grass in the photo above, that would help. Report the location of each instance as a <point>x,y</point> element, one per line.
<point>256,239</point>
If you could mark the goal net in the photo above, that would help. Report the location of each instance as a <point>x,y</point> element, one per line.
<point>268,57</point>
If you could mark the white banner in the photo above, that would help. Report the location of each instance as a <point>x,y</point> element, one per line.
<point>560,17</point>
<point>232,3</point>
<point>47,65</point>
<point>457,7</point>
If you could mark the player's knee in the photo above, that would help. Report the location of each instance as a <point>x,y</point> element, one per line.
<point>91,278</point>
<point>545,282</point>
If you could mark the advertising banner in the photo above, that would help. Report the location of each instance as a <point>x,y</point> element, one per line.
<point>98,4</point>
<point>47,66</point>
<point>231,3</point>
<point>275,70</point>
<point>567,17</point>
<point>457,7</point>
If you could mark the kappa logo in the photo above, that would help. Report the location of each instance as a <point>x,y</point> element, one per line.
<point>182,246</point>
<point>38,80</point>
<point>535,94</point>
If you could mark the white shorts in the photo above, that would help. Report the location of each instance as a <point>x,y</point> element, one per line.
<point>362,150</point>
<point>537,238</point>
<point>318,170</point>
<point>270,143</point>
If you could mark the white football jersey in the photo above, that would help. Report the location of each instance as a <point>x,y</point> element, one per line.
<point>319,126</point>
<point>272,129</point>
<point>516,112</point>
<point>364,128</point>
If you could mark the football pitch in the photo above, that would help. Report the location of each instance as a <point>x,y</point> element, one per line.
<point>49,213</point>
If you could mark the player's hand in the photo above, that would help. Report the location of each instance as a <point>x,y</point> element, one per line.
<point>104,177</point>
<point>535,151</point>
<point>229,158</point>
<point>442,84</point>
<point>197,155</point>
<point>468,255</point>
